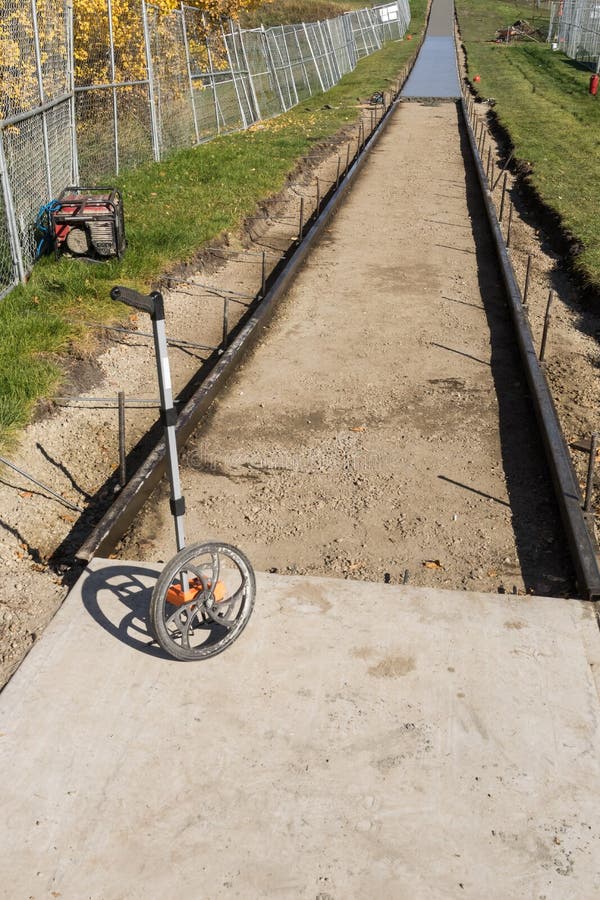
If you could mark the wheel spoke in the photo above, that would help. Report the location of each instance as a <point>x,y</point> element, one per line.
<point>216,569</point>
<point>215,614</point>
<point>172,621</point>
<point>176,620</point>
<point>200,575</point>
<point>229,605</point>
<point>185,633</point>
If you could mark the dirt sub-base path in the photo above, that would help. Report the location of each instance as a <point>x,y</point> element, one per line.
<point>382,424</point>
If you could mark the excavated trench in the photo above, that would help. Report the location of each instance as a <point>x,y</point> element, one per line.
<point>382,426</point>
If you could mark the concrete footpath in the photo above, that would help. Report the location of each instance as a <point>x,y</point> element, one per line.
<point>358,740</point>
<point>435,73</point>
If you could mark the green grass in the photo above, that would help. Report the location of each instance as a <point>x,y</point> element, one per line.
<point>281,12</point>
<point>542,101</point>
<point>171,209</point>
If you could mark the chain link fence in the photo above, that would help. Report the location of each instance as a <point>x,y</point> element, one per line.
<point>113,92</point>
<point>83,98</point>
<point>37,138</point>
<point>575,29</point>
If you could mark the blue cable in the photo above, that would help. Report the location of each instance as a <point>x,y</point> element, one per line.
<point>43,224</point>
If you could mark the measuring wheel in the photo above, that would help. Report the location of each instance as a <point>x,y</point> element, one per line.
<point>204,596</point>
<point>202,600</point>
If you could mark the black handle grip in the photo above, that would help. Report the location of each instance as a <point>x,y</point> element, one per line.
<point>150,303</point>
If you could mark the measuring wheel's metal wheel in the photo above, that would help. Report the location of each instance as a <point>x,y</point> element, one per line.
<point>202,600</point>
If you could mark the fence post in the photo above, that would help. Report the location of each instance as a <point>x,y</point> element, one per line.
<point>367,30</point>
<point>289,65</point>
<point>235,84</point>
<point>334,57</point>
<point>326,54</point>
<point>213,83</point>
<point>11,221</point>
<point>302,62</point>
<point>250,79</point>
<point>186,47</point>
<point>71,82</point>
<point>40,80</point>
<point>271,67</point>
<point>310,47</point>
<point>341,52</point>
<point>285,67</point>
<point>111,51</point>
<point>361,29</point>
<point>150,71</point>
<point>350,41</point>
<point>337,46</point>
<point>374,26</point>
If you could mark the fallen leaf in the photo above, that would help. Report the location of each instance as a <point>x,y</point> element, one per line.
<point>25,494</point>
<point>433,564</point>
<point>67,518</point>
<point>492,574</point>
<point>359,428</point>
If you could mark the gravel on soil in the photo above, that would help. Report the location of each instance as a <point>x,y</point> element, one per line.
<point>383,424</point>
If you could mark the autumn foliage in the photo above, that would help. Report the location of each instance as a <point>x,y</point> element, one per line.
<point>19,89</point>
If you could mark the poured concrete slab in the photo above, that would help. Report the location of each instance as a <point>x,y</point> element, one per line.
<point>435,73</point>
<point>358,740</point>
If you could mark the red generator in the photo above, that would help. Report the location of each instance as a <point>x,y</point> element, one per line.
<point>88,223</point>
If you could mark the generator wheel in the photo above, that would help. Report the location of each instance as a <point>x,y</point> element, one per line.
<point>202,601</point>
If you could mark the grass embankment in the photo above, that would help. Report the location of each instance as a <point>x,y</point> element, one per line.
<point>542,100</point>
<point>280,12</point>
<point>171,208</point>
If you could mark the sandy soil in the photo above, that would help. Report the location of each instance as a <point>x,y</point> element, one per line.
<point>383,425</point>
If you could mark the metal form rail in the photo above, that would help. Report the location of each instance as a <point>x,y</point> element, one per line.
<point>582,542</point>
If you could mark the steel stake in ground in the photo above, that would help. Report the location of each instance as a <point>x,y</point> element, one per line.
<point>122,448</point>
<point>547,318</point>
<point>527,277</point>
<point>589,486</point>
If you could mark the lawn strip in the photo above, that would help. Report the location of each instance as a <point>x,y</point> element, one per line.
<point>542,102</point>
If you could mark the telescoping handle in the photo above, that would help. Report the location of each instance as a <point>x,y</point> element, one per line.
<point>154,306</point>
<point>149,303</point>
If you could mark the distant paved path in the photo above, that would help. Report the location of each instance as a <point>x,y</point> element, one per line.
<point>435,73</point>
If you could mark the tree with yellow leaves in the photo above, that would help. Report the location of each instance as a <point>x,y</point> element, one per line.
<point>19,88</point>
<point>91,32</point>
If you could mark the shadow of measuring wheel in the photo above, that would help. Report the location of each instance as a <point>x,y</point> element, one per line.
<point>117,597</point>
